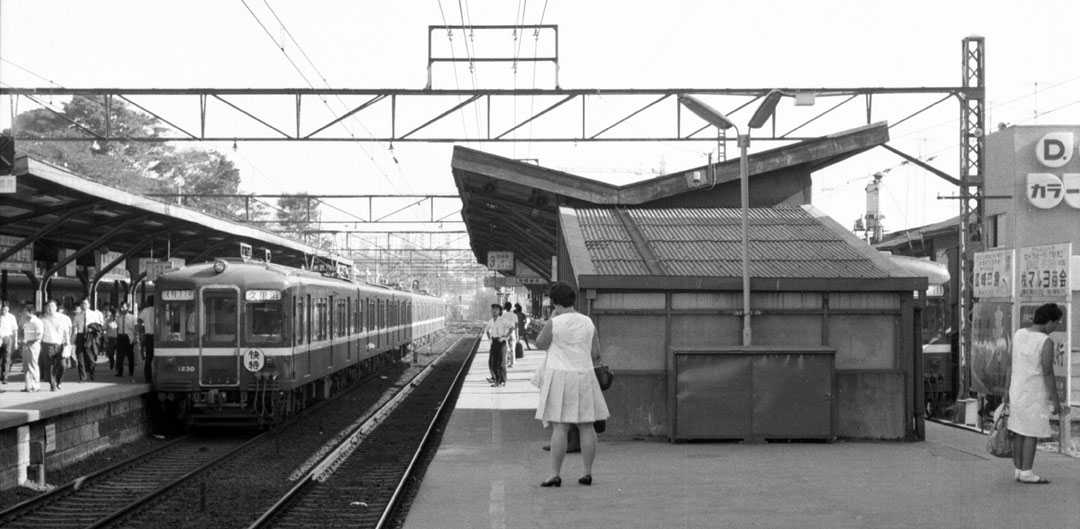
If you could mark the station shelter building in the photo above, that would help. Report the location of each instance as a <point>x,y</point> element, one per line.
<point>657,265</point>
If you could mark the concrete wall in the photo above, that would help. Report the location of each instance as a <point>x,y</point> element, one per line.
<point>74,435</point>
<point>872,333</point>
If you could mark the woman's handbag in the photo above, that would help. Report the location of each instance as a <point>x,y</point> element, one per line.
<point>604,376</point>
<point>1000,442</point>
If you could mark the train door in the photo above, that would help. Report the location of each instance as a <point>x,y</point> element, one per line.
<point>301,336</point>
<point>219,339</point>
<point>331,332</point>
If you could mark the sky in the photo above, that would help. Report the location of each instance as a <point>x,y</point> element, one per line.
<point>1032,70</point>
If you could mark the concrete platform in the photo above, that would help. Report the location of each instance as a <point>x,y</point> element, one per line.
<point>45,428</point>
<point>490,464</point>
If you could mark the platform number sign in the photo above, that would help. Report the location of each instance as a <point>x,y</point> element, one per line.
<point>254,360</point>
<point>502,261</point>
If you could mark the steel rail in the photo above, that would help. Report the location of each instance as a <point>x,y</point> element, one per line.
<point>77,483</point>
<point>328,463</point>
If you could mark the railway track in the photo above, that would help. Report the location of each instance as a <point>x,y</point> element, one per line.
<point>112,493</point>
<point>361,482</point>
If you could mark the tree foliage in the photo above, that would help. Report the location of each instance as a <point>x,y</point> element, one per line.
<point>143,167</point>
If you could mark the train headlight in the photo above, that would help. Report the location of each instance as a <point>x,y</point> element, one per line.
<point>220,266</point>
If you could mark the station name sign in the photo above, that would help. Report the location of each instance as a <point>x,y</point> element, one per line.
<point>1046,190</point>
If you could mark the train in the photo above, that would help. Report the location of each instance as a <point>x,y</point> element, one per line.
<point>242,341</point>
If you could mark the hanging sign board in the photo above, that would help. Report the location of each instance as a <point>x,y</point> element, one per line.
<point>22,261</point>
<point>1044,270</point>
<point>501,261</point>
<point>8,185</point>
<point>993,274</point>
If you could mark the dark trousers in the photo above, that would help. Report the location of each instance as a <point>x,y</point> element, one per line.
<point>110,349</point>
<point>124,350</point>
<point>148,358</point>
<point>52,362</point>
<point>7,354</point>
<point>86,353</point>
<point>497,361</point>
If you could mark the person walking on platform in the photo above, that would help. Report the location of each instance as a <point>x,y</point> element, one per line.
<point>110,337</point>
<point>32,331</point>
<point>522,323</point>
<point>55,344</point>
<point>9,336</point>
<point>569,391</point>
<point>126,338</point>
<point>86,348</point>
<point>146,319</point>
<point>1033,395</point>
<point>511,338</point>
<point>497,332</point>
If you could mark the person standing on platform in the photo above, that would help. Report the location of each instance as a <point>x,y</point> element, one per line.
<point>55,344</point>
<point>497,331</point>
<point>110,337</point>
<point>32,331</point>
<point>146,319</point>
<point>85,348</point>
<point>1033,395</point>
<point>569,391</point>
<point>9,336</point>
<point>522,323</point>
<point>511,338</point>
<point>126,339</point>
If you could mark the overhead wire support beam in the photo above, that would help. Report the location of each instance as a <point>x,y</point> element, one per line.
<point>168,105</point>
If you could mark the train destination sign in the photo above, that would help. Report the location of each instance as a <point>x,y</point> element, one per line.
<point>262,295</point>
<point>177,295</point>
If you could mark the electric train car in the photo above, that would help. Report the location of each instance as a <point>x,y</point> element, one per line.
<point>242,341</point>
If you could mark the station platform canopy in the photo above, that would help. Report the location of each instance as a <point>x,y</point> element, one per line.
<point>512,206</point>
<point>65,217</point>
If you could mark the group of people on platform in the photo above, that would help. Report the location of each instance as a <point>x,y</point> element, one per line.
<point>50,341</point>
<point>508,336</point>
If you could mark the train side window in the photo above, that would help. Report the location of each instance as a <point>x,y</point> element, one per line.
<point>264,321</point>
<point>301,321</point>
<point>332,327</point>
<point>339,318</point>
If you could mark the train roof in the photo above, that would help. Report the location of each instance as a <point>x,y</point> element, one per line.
<point>241,271</point>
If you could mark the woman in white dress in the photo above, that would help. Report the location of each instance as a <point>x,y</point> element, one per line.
<point>569,391</point>
<point>1033,397</point>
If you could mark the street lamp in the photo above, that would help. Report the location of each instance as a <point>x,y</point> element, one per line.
<point>716,118</point>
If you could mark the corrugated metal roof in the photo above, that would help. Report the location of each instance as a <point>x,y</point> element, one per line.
<point>784,243</point>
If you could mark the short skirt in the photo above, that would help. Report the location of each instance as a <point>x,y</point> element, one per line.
<point>570,397</point>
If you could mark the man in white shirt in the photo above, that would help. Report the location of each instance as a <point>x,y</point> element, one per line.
<point>55,338</point>
<point>32,330</point>
<point>9,330</point>
<point>87,341</point>
<point>126,338</point>
<point>498,330</point>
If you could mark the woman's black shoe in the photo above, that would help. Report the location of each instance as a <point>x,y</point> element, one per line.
<point>553,482</point>
<point>585,480</point>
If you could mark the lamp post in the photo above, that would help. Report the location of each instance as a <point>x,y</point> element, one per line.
<point>716,118</point>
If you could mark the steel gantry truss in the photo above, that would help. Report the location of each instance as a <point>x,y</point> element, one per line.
<point>428,116</point>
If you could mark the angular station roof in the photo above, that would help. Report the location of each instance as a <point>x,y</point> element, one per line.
<point>71,212</point>
<point>510,205</point>
<point>790,248</point>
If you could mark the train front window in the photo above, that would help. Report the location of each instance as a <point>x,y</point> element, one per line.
<point>264,322</point>
<point>220,322</point>
<point>178,323</point>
